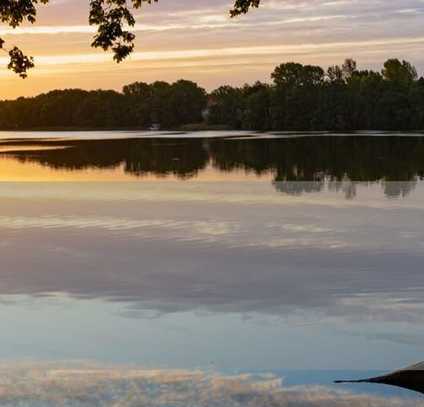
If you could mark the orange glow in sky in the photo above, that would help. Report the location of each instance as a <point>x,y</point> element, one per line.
<point>192,39</point>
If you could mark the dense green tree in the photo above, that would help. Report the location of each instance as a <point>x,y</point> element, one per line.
<point>297,95</point>
<point>335,74</point>
<point>294,75</point>
<point>348,68</point>
<point>187,101</point>
<point>137,89</point>
<point>365,90</point>
<point>400,73</point>
<point>302,97</point>
<point>227,105</point>
<point>393,111</point>
<point>257,106</point>
<point>416,97</point>
<point>139,105</point>
<point>139,97</point>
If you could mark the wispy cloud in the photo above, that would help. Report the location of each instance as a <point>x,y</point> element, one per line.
<point>233,52</point>
<point>200,42</point>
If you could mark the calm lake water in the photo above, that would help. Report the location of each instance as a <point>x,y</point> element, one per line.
<point>209,269</point>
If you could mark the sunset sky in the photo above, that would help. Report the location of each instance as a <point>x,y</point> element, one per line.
<point>196,40</point>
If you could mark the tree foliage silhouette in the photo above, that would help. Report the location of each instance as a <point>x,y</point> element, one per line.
<point>301,97</point>
<point>112,17</point>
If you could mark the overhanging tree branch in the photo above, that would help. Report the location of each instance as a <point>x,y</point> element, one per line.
<point>110,16</point>
<point>243,6</point>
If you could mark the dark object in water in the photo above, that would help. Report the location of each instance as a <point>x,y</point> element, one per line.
<point>411,378</point>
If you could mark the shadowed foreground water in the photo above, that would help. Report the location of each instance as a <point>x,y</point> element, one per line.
<point>227,272</point>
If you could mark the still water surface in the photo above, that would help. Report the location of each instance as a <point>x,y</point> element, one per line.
<point>222,269</point>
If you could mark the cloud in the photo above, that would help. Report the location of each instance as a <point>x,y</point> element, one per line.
<point>214,48</point>
<point>237,55</point>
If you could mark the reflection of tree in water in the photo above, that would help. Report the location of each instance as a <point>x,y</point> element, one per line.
<point>139,157</point>
<point>299,165</point>
<point>392,189</point>
<point>298,188</point>
<point>346,186</point>
<point>310,164</point>
<point>164,158</point>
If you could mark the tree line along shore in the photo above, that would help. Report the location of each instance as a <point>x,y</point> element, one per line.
<point>300,97</point>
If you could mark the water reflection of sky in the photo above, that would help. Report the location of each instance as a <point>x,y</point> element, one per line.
<point>230,276</point>
<point>294,280</point>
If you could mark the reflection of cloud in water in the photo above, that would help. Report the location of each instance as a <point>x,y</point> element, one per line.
<point>229,233</point>
<point>85,385</point>
<point>163,248</point>
<point>326,256</point>
<point>224,267</point>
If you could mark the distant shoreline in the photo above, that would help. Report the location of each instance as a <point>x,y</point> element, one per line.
<point>188,129</point>
<point>76,128</point>
<point>301,98</point>
<point>184,128</point>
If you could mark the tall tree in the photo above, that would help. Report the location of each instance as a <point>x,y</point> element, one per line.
<point>292,74</point>
<point>401,73</point>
